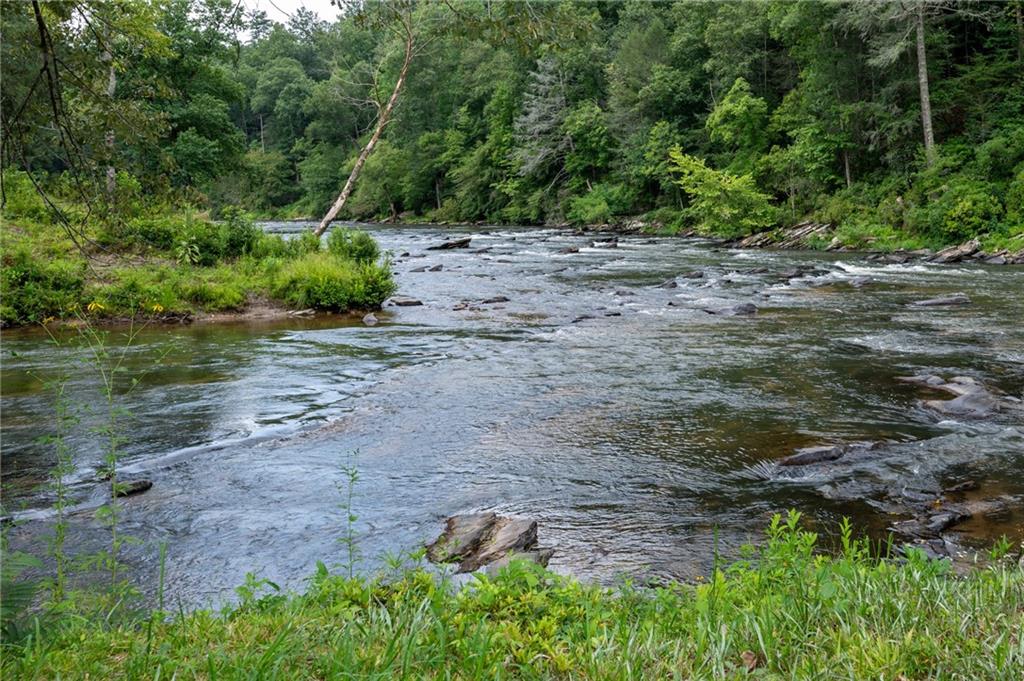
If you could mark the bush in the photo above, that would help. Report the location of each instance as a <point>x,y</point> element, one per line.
<point>721,203</point>
<point>353,244</point>
<point>34,288</point>
<point>326,282</point>
<point>239,233</point>
<point>21,200</point>
<point>304,243</point>
<point>600,204</point>
<point>200,242</point>
<point>135,290</point>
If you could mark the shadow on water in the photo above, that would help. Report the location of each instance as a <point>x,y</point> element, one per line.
<point>633,424</point>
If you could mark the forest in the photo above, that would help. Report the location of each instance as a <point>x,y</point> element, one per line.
<point>902,123</point>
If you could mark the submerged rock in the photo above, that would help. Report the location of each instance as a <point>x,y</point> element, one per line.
<point>736,310</point>
<point>370,319</point>
<point>478,539</point>
<point>671,283</point>
<point>495,299</point>
<point>694,274</point>
<point>954,299</point>
<point>809,455</point>
<point>569,249</point>
<point>436,268</point>
<point>129,488</point>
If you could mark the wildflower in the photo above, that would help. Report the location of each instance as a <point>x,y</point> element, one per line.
<point>95,306</point>
<point>47,320</point>
<point>157,308</point>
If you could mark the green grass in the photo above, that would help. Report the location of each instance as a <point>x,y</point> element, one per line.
<point>786,613</point>
<point>162,266</point>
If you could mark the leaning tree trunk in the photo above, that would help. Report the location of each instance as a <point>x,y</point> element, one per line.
<point>111,89</point>
<point>922,80</point>
<point>382,121</point>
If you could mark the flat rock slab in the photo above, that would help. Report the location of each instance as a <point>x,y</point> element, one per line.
<point>448,245</point>
<point>955,299</point>
<point>478,539</point>
<point>402,301</point>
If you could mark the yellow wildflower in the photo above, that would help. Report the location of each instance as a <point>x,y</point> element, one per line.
<point>95,306</point>
<point>157,308</point>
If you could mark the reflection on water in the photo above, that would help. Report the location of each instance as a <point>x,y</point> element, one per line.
<point>618,413</point>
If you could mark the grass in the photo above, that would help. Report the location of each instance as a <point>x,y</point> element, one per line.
<point>785,613</point>
<point>167,266</point>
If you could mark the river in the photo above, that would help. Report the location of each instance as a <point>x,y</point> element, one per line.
<point>628,421</point>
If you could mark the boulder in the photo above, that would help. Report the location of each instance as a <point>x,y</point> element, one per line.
<point>370,319</point>
<point>809,455</point>
<point>129,488</point>
<point>539,556</point>
<point>569,249</point>
<point>954,299</point>
<point>478,539</point>
<point>448,245</point>
<point>495,299</point>
<point>436,268</point>
<point>974,404</point>
<point>693,274</point>
<point>671,283</point>
<point>419,269</point>
<point>957,253</point>
<point>402,301</point>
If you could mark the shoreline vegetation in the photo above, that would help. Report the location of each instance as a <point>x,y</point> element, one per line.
<point>169,264</point>
<point>784,610</point>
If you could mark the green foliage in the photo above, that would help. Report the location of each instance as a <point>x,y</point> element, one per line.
<point>324,281</point>
<point>783,611</point>
<point>353,244</point>
<point>600,205</point>
<point>35,288</point>
<point>739,122</point>
<point>20,198</point>
<point>721,203</point>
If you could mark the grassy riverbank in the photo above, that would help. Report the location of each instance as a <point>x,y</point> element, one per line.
<point>785,613</point>
<point>166,264</point>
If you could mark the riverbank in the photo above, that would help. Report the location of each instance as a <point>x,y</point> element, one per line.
<point>787,611</point>
<point>179,268</point>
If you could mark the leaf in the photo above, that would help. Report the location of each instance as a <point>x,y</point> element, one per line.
<point>749,660</point>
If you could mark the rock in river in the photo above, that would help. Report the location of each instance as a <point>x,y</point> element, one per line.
<point>955,299</point>
<point>448,245</point>
<point>402,301</point>
<point>477,539</point>
<point>370,319</point>
<point>735,310</point>
<point>132,487</point>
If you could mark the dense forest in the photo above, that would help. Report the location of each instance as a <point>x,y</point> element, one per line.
<point>901,122</point>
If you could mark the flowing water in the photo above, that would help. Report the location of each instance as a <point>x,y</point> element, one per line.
<point>632,424</point>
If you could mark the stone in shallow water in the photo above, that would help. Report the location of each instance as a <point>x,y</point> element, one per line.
<point>955,299</point>
<point>478,539</point>
<point>402,301</point>
<point>448,245</point>
<point>128,488</point>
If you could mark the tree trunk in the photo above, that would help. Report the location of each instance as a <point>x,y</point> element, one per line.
<point>111,88</point>
<point>922,80</point>
<point>382,121</point>
<point>846,168</point>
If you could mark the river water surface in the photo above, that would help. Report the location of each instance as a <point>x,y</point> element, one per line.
<point>626,419</point>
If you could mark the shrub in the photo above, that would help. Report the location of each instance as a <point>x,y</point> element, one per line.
<point>326,282</point>
<point>304,243</point>
<point>34,288</point>
<point>239,233</point>
<point>213,295</point>
<point>269,246</point>
<point>721,203</point>
<point>353,244</point>
<point>200,242</point>
<point>21,200</point>
<point>600,204</point>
